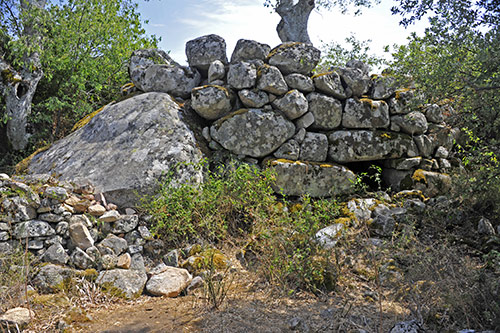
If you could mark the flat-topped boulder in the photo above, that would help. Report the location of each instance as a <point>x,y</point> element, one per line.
<point>204,50</point>
<point>125,149</point>
<point>294,57</point>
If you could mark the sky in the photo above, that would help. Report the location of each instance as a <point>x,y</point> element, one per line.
<point>178,21</point>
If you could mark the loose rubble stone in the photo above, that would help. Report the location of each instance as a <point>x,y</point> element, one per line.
<point>109,216</point>
<point>55,254</point>
<point>80,259</point>
<point>253,98</point>
<point>202,51</point>
<point>383,87</point>
<point>252,132</point>
<point>434,113</point>
<point>293,104</point>
<point>317,180</point>
<point>314,147</point>
<point>170,283</point>
<point>365,113</point>
<point>300,82</point>
<point>328,237</point>
<point>431,183</point>
<point>270,79</point>
<point>485,227</point>
<point>305,121</point>
<point>58,193</point>
<point>289,150</point>
<point>123,282</point>
<point>249,50</point>
<point>294,57</point>
<point>211,102</point>
<point>116,244</point>
<point>329,83</point>
<point>216,71</point>
<point>16,319</point>
<point>352,146</point>
<point>80,235</point>
<point>327,111</point>
<point>356,80</point>
<point>32,228</point>
<point>50,277</point>
<point>124,261</point>
<point>242,75</point>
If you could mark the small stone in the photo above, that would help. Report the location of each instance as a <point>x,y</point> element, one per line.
<point>144,232</point>
<point>216,71</point>
<point>242,75</point>
<point>314,148</point>
<point>125,224</point>
<point>171,258</point>
<point>290,150</point>
<point>95,210</point>
<point>49,217</point>
<point>293,104</point>
<point>330,84</point>
<point>271,80</point>
<point>195,283</point>
<point>80,235</point>
<point>441,152</point>
<point>328,237</point>
<point>130,211</point>
<point>305,121</point>
<point>133,249</point>
<point>327,111</point>
<point>16,319</point>
<point>300,82</point>
<point>124,261</point>
<point>485,227</point>
<point>211,102</point>
<point>109,216</point>
<point>130,283</point>
<point>81,260</point>
<point>170,283</point>
<point>253,98</point>
<point>117,244</point>
<point>58,193</point>
<point>55,254</point>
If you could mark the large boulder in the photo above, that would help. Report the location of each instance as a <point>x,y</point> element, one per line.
<point>125,149</point>
<point>354,146</point>
<point>202,51</point>
<point>170,282</point>
<point>316,179</point>
<point>252,132</point>
<point>294,57</point>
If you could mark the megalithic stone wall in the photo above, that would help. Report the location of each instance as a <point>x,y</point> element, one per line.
<point>267,107</point>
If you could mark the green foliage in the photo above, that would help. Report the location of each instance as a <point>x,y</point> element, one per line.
<point>87,46</point>
<point>336,55</point>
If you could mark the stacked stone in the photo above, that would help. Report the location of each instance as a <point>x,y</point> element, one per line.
<point>66,225</point>
<point>266,106</point>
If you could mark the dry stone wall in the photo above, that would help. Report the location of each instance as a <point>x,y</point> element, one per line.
<point>267,107</point>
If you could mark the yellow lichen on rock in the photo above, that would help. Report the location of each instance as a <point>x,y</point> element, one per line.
<point>419,176</point>
<point>281,47</point>
<point>322,74</point>
<point>369,101</point>
<point>400,91</point>
<point>85,120</point>
<point>22,166</point>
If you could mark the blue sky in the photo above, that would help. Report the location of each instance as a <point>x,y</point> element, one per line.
<point>177,21</point>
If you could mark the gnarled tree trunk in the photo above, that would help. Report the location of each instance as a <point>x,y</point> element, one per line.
<point>18,87</point>
<point>294,17</point>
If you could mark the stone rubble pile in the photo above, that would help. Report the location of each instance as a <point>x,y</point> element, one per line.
<point>266,106</point>
<point>76,232</point>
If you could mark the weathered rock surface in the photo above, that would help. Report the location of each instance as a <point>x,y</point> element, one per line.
<point>242,75</point>
<point>253,98</point>
<point>356,80</point>
<point>211,102</point>
<point>431,183</point>
<point>170,282</point>
<point>327,111</point>
<point>271,80</point>
<point>216,71</point>
<point>246,49</point>
<point>293,104</point>
<point>383,87</point>
<point>56,254</point>
<point>32,228</point>
<point>202,51</point>
<point>365,113</point>
<point>330,84</point>
<point>50,277</point>
<point>300,82</point>
<point>314,147</point>
<point>352,146</point>
<point>294,57</point>
<point>144,136</point>
<point>413,123</point>
<point>318,180</point>
<point>175,80</point>
<point>123,282</point>
<point>16,319</point>
<point>328,236</point>
<point>140,60</point>
<point>290,150</point>
<point>252,132</point>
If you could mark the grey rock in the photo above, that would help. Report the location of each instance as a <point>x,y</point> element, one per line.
<point>413,123</point>
<point>81,260</point>
<point>137,263</point>
<point>411,326</point>
<point>290,150</point>
<point>36,244</point>
<point>171,258</point>
<point>31,196</point>
<point>170,283</point>
<point>129,283</point>
<point>383,87</point>
<point>134,237</point>
<point>4,236</point>
<point>140,60</point>
<point>94,254</point>
<point>252,132</point>
<point>314,148</point>
<point>117,244</point>
<point>300,135</point>
<point>109,216</point>
<point>154,248</point>
<point>403,163</point>
<point>49,217</point>
<point>434,113</point>
<point>270,79</point>
<point>19,209</point>
<point>216,71</point>
<point>133,249</point>
<point>195,283</point>
<point>383,225</point>
<point>293,104</point>
<point>305,121</point>
<point>365,113</point>
<point>242,75</point>
<point>327,111</point>
<point>425,145</point>
<point>144,136</point>
<point>175,80</point>
<point>358,64</point>
<point>317,180</point>
<point>294,57</point>
<point>328,236</point>
<point>330,84</point>
<point>55,254</point>
<point>441,152</point>
<point>352,146</point>
<point>202,51</point>
<point>401,103</point>
<point>211,102</point>
<point>357,81</point>
<point>58,193</point>
<point>144,232</point>
<point>4,227</point>
<point>431,183</point>
<point>6,248</point>
<point>249,50</point>
<point>125,223</point>
<point>33,228</point>
<point>444,164</point>
<point>300,82</point>
<point>484,227</point>
<point>50,277</point>
<point>253,98</point>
